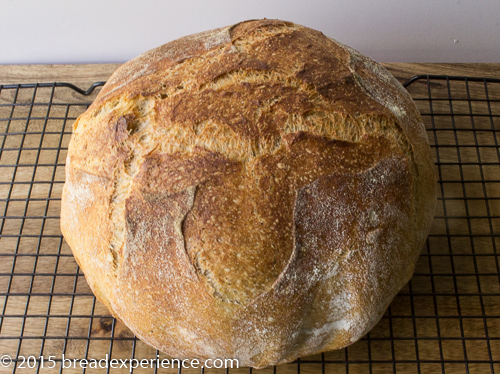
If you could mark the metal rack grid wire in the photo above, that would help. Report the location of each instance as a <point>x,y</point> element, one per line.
<point>446,319</point>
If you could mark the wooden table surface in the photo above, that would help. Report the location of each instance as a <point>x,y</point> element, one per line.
<point>448,296</point>
<point>86,74</point>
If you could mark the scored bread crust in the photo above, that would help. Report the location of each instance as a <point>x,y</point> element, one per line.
<point>258,191</point>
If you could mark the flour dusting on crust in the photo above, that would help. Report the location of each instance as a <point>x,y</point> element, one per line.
<point>258,192</point>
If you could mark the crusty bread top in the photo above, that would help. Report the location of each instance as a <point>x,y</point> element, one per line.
<point>235,134</point>
<point>315,81</point>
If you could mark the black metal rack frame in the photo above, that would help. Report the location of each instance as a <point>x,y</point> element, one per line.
<point>447,319</point>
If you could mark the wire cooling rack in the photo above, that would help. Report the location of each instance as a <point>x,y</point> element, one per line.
<point>446,319</point>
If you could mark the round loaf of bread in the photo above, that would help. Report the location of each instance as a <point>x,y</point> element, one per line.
<point>259,192</point>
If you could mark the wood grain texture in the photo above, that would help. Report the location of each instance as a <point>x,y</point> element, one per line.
<point>89,73</point>
<point>464,287</point>
<point>83,74</point>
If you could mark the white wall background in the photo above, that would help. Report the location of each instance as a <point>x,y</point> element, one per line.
<point>96,31</point>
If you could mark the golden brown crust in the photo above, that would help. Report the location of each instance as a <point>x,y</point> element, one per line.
<point>258,192</point>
